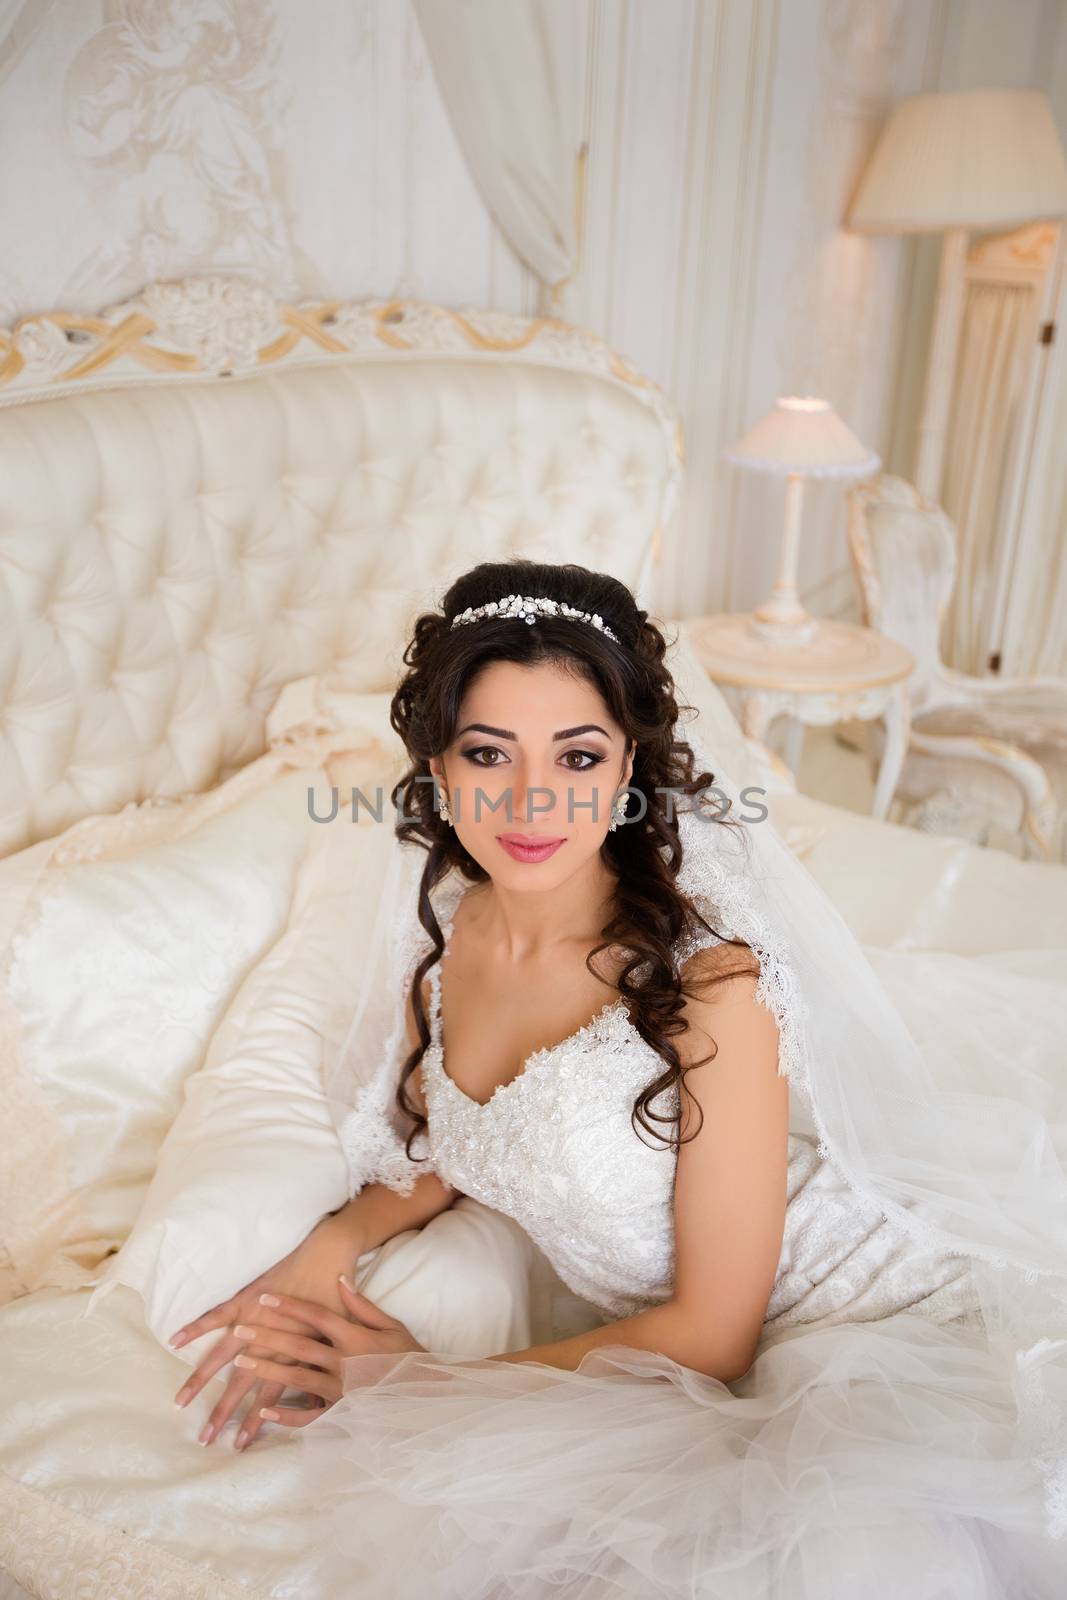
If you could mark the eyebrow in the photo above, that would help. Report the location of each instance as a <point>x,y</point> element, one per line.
<point>505,733</point>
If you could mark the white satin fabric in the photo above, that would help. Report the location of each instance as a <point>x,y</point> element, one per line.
<point>105,1493</point>
<point>125,948</point>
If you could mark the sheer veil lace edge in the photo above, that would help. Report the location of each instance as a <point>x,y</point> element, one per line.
<point>948,1166</point>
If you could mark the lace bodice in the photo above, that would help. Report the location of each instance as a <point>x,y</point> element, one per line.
<point>556,1149</point>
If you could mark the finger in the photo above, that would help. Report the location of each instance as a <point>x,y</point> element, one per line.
<point>216,1358</point>
<point>217,1317</point>
<point>325,1384</point>
<point>320,1318</point>
<point>365,1309</point>
<point>237,1387</point>
<point>262,1395</point>
<point>260,1340</point>
<point>293,1416</point>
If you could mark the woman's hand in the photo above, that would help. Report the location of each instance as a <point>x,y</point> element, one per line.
<point>316,1366</point>
<point>310,1271</point>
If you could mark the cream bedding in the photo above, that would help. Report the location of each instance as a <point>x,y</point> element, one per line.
<point>104,1494</point>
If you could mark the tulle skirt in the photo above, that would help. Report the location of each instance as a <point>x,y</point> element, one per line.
<point>894,1460</point>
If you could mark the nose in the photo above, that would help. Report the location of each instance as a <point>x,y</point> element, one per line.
<point>534,793</point>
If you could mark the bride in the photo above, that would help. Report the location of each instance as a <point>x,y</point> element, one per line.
<point>827,1263</point>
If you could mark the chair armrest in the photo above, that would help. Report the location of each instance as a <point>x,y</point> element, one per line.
<point>1030,776</point>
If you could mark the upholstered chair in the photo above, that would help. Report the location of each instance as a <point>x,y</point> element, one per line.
<point>983,752</point>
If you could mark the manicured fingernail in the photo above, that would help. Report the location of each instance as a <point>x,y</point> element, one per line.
<point>243,1361</point>
<point>207,1433</point>
<point>181,1398</point>
<point>241,1332</point>
<point>269,1415</point>
<point>178,1339</point>
<point>269,1300</point>
<point>240,1441</point>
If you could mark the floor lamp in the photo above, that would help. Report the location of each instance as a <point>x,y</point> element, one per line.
<point>953,163</point>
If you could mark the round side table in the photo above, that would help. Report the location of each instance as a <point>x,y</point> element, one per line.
<point>842,671</point>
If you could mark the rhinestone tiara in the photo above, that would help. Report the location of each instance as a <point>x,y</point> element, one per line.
<point>529,608</point>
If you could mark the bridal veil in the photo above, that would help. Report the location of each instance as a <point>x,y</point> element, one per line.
<point>961,1139</point>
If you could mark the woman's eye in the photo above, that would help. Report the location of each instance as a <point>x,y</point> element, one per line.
<point>480,758</point>
<point>484,750</point>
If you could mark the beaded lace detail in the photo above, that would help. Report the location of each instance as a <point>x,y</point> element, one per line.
<point>555,1148</point>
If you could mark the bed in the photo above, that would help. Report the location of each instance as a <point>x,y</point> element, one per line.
<point>218,515</point>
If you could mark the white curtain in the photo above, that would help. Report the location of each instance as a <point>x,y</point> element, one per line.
<point>510,74</point>
<point>1035,631</point>
<point>993,344</point>
<point>19,21</point>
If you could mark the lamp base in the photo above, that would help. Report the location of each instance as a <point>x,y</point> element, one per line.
<point>799,628</point>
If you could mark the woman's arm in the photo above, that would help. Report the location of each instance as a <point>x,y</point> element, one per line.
<point>729,1192</point>
<point>377,1212</point>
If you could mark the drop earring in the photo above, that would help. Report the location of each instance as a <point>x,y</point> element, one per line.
<point>443,809</point>
<point>618,812</point>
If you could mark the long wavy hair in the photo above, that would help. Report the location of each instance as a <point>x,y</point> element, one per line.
<point>651,913</point>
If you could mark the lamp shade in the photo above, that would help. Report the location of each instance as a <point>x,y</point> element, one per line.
<point>804,435</point>
<point>976,158</point>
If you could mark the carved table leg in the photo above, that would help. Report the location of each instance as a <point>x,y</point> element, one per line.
<point>897,726</point>
<point>793,748</point>
<point>755,715</point>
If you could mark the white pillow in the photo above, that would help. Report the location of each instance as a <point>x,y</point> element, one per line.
<point>128,936</point>
<point>252,1160</point>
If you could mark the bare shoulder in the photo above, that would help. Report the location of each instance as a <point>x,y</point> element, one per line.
<point>724,1014</point>
<point>724,971</point>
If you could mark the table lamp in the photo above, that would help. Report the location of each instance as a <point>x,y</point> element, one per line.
<point>973,158</point>
<point>802,437</point>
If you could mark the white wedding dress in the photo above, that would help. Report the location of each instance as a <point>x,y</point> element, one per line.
<point>872,1449</point>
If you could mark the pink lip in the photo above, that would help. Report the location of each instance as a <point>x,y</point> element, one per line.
<point>527,847</point>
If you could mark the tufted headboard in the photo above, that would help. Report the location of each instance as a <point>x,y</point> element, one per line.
<point>205,495</point>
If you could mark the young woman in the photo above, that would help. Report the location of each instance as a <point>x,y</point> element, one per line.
<point>601,975</point>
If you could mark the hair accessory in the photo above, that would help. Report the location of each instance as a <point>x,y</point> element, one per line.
<point>529,607</point>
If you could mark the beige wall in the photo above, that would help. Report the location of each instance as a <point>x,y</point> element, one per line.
<point>306,144</point>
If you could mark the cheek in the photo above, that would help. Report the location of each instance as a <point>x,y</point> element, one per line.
<point>590,796</point>
<point>483,793</point>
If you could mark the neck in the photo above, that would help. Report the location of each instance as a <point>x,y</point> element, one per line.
<point>525,924</point>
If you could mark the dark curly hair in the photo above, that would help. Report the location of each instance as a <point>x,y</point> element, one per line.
<point>651,912</point>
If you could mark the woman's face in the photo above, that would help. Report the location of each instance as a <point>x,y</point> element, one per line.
<point>537,755</point>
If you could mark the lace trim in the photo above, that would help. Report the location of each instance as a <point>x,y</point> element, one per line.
<point>373,1148</point>
<point>1045,1422</point>
<point>51,1549</point>
<point>780,990</point>
<point>724,888</point>
<point>597,1028</point>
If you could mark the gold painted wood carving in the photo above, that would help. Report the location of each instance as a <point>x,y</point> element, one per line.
<point>226,327</point>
